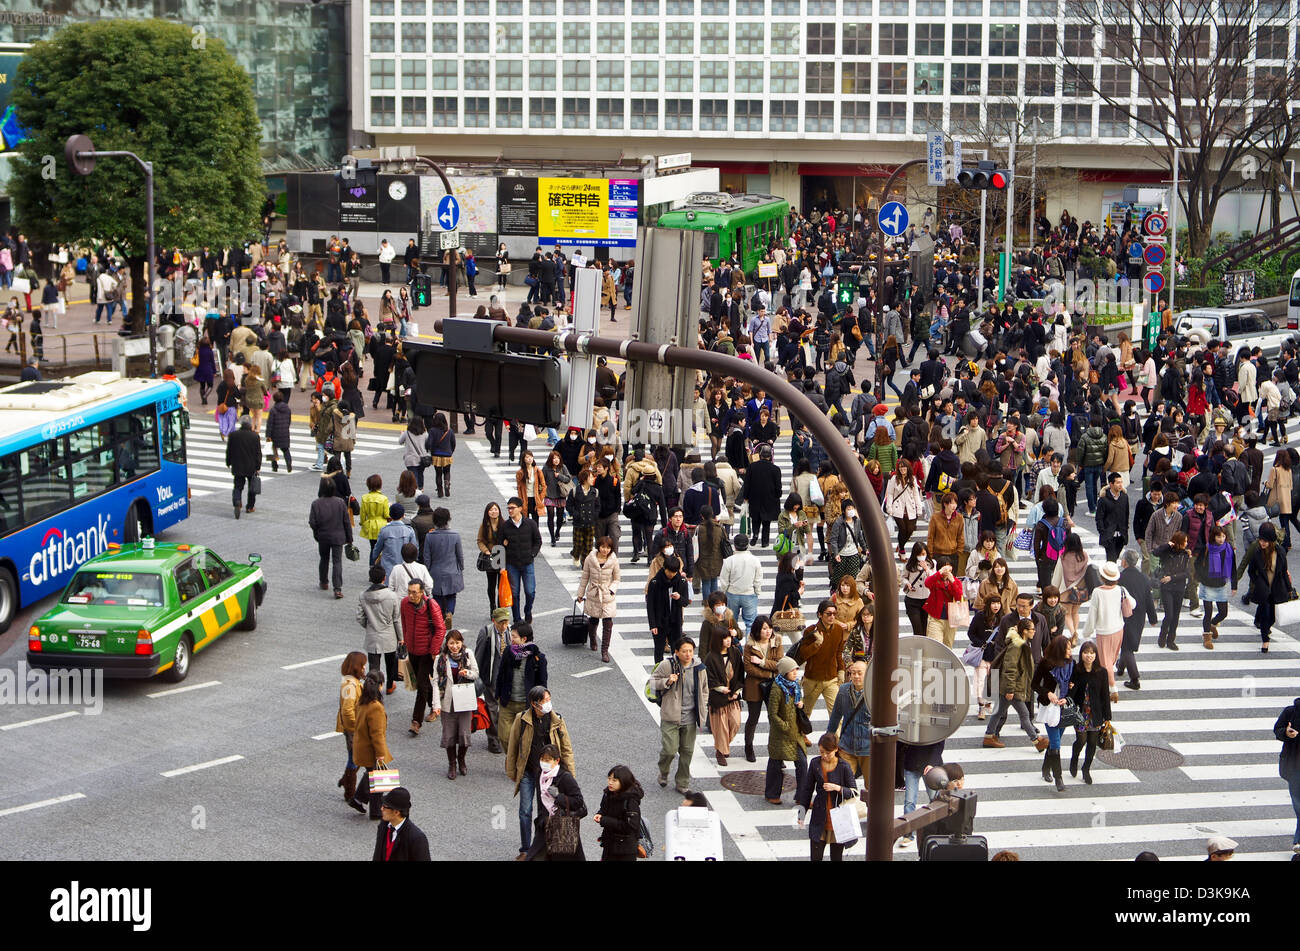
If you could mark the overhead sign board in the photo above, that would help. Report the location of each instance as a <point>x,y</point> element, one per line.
<point>680,160</point>
<point>587,211</point>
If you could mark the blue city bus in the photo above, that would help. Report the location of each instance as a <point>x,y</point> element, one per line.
<point>84,462</point>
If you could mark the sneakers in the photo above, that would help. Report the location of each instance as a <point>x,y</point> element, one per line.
<point>906,842</point>
<point>317,467</point>
<point>1195,612</point>
<point>663,780</point>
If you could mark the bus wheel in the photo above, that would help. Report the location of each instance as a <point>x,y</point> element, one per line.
<point>249,623</point>
<point>133,528</point>
<point>181,659</point>
<point>8,599</point>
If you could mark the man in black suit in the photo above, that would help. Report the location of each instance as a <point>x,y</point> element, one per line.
<point>397,838</point>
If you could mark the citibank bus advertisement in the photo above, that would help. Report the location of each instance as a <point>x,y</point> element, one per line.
<point>587,211</point>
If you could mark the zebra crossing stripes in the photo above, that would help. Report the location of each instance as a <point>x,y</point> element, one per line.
<point>205,454</point>
<point>1216,709</point>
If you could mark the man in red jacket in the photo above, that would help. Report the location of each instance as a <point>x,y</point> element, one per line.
<point>422,633</point>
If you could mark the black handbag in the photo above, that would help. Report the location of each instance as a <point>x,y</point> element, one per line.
<point>802,721</point>
<point>563,835</point>
<point>484,562</point>
<point>1071,716</point>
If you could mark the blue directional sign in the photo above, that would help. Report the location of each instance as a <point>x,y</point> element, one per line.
<point>448,212</point>
<point>893,218</point>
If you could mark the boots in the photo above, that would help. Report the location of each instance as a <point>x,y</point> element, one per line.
<point>1074,757</point>
<point>1208,641</point>
<point>604,647</point>
<point>1047,766</point>
<point>460,759</point>
<point>992,742</point>
<point>1040,742</point>
<point>349,783</point>
<point>493,741</point>
<point>750,728</point>
<point>447,621</point>
<point>446,480</point>
<point>1056,770</point>
<point>591,636</point>
<point>451,762</point>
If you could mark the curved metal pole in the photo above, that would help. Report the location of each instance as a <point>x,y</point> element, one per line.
<point>447,258</point>
<point>884,573</point>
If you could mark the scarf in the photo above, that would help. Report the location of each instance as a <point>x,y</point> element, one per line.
<point>544,783</point>
<point>1219,560</point>
<point>519,652</point>
<point>791,688</point>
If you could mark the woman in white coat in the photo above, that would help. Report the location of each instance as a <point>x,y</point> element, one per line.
<point>1107,608</point>
<point>455,666</point>
<point>904,501</point>
<point>596,591</point>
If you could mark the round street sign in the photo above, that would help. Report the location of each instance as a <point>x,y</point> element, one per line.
<point>448,212</point>
<point>932,690</point>
<point>1157,222</point>
<point>893,218</point>
<point>1154,282</point>
<point>75,144</point>
<point>1154,255</point>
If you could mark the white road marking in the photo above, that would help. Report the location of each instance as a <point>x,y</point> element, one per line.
<point>188,687</point>
<point>56,716</point>
<point>42,804</point>
<point>197,766</point>
<point>594,670</point>
<point>318,660</point>
<point>326,736</point>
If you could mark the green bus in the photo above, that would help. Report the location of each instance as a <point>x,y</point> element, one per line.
<point>744,225</point>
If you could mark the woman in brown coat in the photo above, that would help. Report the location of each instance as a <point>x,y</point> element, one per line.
<point>529,476</point>
<point>947,534</point>
<point>763,651</point>
<point>370,741</point>
<point>597,590</point>
<point>345,722</point>
<point>1117,452</point>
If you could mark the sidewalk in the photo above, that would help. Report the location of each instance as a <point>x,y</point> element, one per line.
<point>80,343</point>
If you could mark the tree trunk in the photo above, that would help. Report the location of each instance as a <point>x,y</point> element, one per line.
<point>138,283</point>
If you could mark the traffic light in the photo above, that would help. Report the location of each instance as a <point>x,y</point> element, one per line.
<point>847,289</point>
<point>985,175</point>
<point>421,290</point>
<point>488,382</point>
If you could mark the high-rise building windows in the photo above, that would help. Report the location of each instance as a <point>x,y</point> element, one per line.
<point>928,79</point>
<point>784,76</point>
<point>645,8</point>
<point>679,76</point>
<point>966,39</point>
<point>645,75</point>
<point>476,37</point>
<point>541,74</point>
<point>929,39</point>
<point>577,38</point>
<point>477,8</point>
<point>1040,39</point>
<point>476,74</point>
<point>645,38</point>
<point>679,38</point>
<point>609,113</point>
<point>541,113</point>
<point>577,76</point>
<point>413,8</point>
<point>383,110</point>
<point>476,112</point>
<point>609,75</point>
<point>820,77</point>
<point>855,117</point>
<point>381,8</point>
<point>713,115</point>
<point>382,38</point>
<point>965,79</point>
<point>541,38</point>
<point>510,38</point>
<point>855,79</point>
<point>891,79</point>
<point>713,39</point>
<point>931,8</point>
<point>1112,123</point>
<point>577,8</point>
<point>1003,79</point>
<point>821,39</point>
<point>749,8</point>
<point>1040,79</point>
<point>577,113</point>
<point>1004,39</point>
<point>609,36</point>
<point>749,77</point>
<point>645,113</point>
<point>749,115</point>
<point>818,115</point>
<point>856,39</point>
<point>716,8</point>
<point>1076,120</point>
<point>443,71</point>
<point>783,115</point>
<point>749,39</point>
<point>891,117</point>
<point>445,111</point>
<point>679,114</point>
<point>541,8</point>
<point>926,117</point>
<point>510,8</point>
<point>713,76</point>
<point>893,39</point>
<point>382,73</point>
<point>510,111</point>
<point>510,74</point>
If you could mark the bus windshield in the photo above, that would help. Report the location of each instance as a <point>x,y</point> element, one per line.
<point>127,588</point>
<point>1295,291</point>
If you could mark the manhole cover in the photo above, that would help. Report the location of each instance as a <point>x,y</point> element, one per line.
<point>1139,757</point>
<point>753,782</point>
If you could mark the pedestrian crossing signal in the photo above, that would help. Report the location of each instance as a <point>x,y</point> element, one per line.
<point>421,290</point>
<point>847,289</point>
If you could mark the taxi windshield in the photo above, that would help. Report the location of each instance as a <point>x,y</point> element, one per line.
<point>120,588</point>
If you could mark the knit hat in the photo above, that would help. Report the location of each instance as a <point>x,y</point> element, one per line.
<point>880,409</point>
<point>785,666</point>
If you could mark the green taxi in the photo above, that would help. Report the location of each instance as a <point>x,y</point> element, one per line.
<point>146,608</point>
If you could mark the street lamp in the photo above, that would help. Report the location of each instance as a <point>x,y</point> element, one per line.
<point>80,154</point>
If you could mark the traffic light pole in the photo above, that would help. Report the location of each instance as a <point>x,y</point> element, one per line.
<point>880,264</point>
<point>448,256</point>
<point>884,573</point>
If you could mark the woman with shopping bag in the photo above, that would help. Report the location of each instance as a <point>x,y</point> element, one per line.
<point>558,836</point>
<point>1090,692</point>
<point>822,796</point>
<point>370,742</point>
<point>455,699</point>
<point>345,722</point>
<point>1052,685</point>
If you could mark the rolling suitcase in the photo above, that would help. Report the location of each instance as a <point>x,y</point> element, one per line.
<point>955,848</point>
<point>574,629</point>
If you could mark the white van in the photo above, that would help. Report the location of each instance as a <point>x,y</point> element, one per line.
<point>1236,326</point>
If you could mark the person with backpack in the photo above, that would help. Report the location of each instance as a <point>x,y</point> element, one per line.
<point>680,686</point>
<point>1049,541</point>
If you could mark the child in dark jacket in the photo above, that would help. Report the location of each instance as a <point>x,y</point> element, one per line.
<point>666,597</point>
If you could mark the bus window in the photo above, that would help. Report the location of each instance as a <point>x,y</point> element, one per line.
<point>739,249</point>
<point>711,245</point>
<point>9,514</point>
<point>91,461</point>
<point>45,484</point>
<point>174,436</point>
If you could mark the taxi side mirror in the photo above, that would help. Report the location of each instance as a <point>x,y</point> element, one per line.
<point>254,558</point>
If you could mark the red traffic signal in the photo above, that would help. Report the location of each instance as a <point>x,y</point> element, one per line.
<point>999,180</point>
<point>984,175</point>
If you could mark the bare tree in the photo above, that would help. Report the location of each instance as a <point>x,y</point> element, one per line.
<point>1200,83</point>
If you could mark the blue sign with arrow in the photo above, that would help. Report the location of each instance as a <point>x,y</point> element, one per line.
<point>893,218</point>
<point>448,212</point>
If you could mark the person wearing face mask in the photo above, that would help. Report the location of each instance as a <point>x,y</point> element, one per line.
<point>682,685</point>
<point>674,539</point>
<point>846,545</point>
<point>726,673</point>
<point>785,741</point>
<point>539,727</point>
<point>716,614</point>
<point>558,795</point>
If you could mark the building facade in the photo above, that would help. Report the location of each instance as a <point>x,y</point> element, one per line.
<point>812,100</point>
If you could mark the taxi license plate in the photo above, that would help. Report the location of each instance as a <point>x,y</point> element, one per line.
<point>87,642</point>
